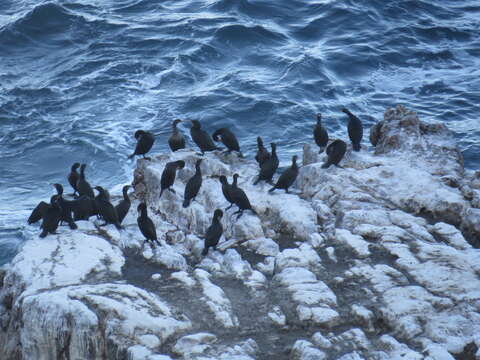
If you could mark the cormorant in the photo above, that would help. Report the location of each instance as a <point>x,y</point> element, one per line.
<point>146,225</point>
<point>268,168</point>
<point>226,190</point>
<point>84,208</point>
<point>228,139</point>
<point>124,205</point>
<point>51,217</point>
<point>193,185</point>
<point>83,187</point>
<point>335,152</point>
<point>168,175</point>
<point>240,198</point>
<point>105,209</point>
<point>201,137</point>
<point>176,140</point>
<point>320,134</point>
<point>214,232</point>
<point>73,177</point>
<point>288,177</point>
<point>355,130</point>
<point>145,142</point>
<point>67,207</point>
<point>38,212</point>
<point>262,153</point>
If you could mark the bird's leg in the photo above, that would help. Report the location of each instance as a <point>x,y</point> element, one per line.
<point>229,207</point>
<point>239,215</point>
<point>158,242</point>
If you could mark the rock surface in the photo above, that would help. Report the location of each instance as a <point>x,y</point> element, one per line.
<point>375,260</point>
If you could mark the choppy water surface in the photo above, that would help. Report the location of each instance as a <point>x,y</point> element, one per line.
<point>77,78</point>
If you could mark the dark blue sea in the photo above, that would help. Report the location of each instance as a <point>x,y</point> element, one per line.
<point>77,78</point>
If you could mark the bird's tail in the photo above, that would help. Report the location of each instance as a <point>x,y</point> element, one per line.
<point>131,156</point>
<point>186,203</point>
<point>356,147</point>
<point>118,226</point>
<point>205,251</point>
<point>321,150</point>
<point>257,181</point>
<point>44,233</point>
<point>326,165</point>
<point>253,210</point>
<point>161,192</point>
<point>272,189</point>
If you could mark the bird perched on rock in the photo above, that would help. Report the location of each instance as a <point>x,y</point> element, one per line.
<point>51,217</point>
<point>288,177</point>
<point>145,140</point>
<point>105,209</point>
<point>228,139</point>
<point>124,205</point>
<point>146,225</point>
<point>83,187</point>
<point>67,207</point>
<point>168,175</point>
<point>320,134</point>
<point>262,153</point>
<point>193,185</point>
<point>73,177</point>
<point>176,140</point>
<point>335,152</point>
<point>214,232</point>
<point>375,132</point>
<point>226,190</point>
<point>240,198</point>
<point>268,168</point>
<point>84,208</point>
<point>201,137</point>
<point>38,212</point>
<point>355,130</point>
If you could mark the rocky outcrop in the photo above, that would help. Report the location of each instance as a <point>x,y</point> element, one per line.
<point>375,260</point>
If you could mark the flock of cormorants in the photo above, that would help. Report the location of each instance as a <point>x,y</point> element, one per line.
<point>87,204</point>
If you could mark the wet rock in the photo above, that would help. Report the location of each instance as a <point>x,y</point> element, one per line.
<point>378,258</point>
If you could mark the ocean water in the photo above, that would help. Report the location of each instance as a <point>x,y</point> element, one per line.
<point>77,78</point>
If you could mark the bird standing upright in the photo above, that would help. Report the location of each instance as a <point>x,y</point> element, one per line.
<point>73,177</point>
<point>193,185</point>
<point>146,225</point>
<point>168,175</point>
<point>226,190</point>
<point>124,205</point>
<point>214,232</point>
<point>83,186</point>
<point>268,168</point>
<point>176,140</point>
<point>240,198</point>
<point>355,130</point>
<point>262,153</point>
<point>320,134</point>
